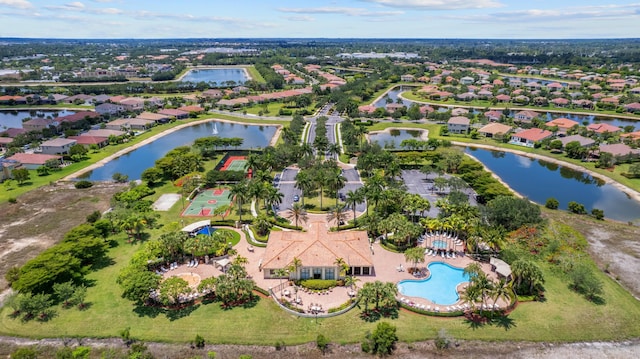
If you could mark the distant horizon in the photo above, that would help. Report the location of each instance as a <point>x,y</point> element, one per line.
<point>351,19</point>
<point>318,38</point>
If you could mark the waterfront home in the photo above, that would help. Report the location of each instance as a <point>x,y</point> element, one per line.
<point>633,107</point>
<point>526,116</point>
<point>132,103</point>
<point>189,109</point>
<point>493,115</point>
<point>563,124</point>
<point>407,78</point>
<point>366,109</point>
<point>57,146</point>
<point>40,123</point>
<point>583,141</point>
<point>619,150</point>
<point>155,117</point>
<point>602,128</point>
<point>530,137</point>
<point>492,129</point>
<point>317,249</point>
<point>458,124</point>
<point>178,114</point>
<point>104,133</point>
<point>32,161</point>
<point>87,141</point>
<point>109,109</point>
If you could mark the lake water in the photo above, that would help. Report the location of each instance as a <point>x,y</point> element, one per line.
<point>393,138</point>
<point>14,119</point>
<point>540,180</point>
<point>133,163</point>
<point>219,76</point>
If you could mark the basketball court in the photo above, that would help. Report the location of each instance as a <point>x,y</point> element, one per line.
<point>205,203</point>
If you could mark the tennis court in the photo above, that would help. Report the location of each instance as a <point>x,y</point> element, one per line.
<point>205,203</point>
<point>235,163</point>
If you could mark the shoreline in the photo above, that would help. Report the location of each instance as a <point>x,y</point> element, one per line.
<point>626,190</point>
<point>144,142</point>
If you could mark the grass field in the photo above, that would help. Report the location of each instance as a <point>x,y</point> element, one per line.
<point>565,316</point>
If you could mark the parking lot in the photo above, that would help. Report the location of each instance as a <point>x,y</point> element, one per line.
<point>419,183</point>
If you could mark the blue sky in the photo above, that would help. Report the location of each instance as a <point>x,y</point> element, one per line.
<point>522,19</point>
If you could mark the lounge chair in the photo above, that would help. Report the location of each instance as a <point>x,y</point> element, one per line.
<point>442,254</point>
<point>428,307</point>
<point>453,255</point>
<point>196,265</point>
<point>436,309</point>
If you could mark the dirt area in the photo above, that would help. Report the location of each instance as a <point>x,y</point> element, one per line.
<point>41,217</point>
<point>474,349</point>
<point>613,245</point>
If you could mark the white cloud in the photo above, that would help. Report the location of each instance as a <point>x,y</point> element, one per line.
<point>76,5</point>
<point>439,4</point>
<point>350,11</point>
<point>304,18</point>
<point>20,4</point>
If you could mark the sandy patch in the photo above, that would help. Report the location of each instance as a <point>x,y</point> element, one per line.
<point>165,202</point>
<point>192,278</point>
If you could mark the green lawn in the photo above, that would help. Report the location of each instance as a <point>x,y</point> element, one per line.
<point>565,316</point>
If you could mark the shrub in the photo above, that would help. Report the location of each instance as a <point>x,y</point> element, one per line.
<point>585,282</point>
<point>597,213</point>
<point>383,339</point>
<point>443,340</point>
<point>94,216</point>
<point>552,203</point>
<point>211,355</point>
<point>24,353</point>
<point>12,200</point>
<point>199,341</point>
<point>322,343</point>
<point>575,207</point>
<point>318,284</point>
<point>83,184</point>
<point>280,345</point>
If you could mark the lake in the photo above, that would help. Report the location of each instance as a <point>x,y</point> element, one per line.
<point>539,180</point>
<point>133,163</point>
<point>392,138</point>
<point>14,119</point>
<point>217,76</point>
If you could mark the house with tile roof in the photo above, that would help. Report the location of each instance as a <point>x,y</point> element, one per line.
<point>458,124</point>
<point>31,161</point>
<point>601,128</point>
<point>525,116</point>
<point>563,124</point>
<point>492,129</point>
<point>583,141</point>
<point>317,250</point>
<point>57,146</point>
<point>530,137</point>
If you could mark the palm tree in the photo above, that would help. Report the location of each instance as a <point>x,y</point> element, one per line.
<point>342,266</point>
<point>319,177</point>
<point>273,197</point>
<point>415,255</point>
<point>336,182</point>
<point>501,289</point>
<point>527,276</point>
<point>296,213</point>
<point>295,264</point>
<point>351,281</point>
<point>238,192</point>
<point>304,183</point>
<point>334,149</point>
<point>353,198</point>
<point>338,214</point>
<point>281,273</point>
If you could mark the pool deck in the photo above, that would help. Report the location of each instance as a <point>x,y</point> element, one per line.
<point>386,266</point>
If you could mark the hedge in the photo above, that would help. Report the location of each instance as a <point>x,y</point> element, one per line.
<point>318,284</point>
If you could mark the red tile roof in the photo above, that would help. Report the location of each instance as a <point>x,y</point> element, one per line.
<point>603,127</point>
<point>33,158</point>
<point>562,123</point>
<point>533,134</point>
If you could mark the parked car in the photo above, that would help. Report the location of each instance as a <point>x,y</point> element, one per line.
<point>296,198</point>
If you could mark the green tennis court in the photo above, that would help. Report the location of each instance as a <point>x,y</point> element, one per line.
<point>205,203</point>
<point>235,163</point>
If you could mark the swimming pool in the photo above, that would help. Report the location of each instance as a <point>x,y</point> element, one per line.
<point>439,243</point>
<point>439,288</point>
<point>208,230</point>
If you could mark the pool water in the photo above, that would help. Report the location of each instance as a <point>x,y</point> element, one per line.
<point>439,243</point>
<point>439,288</point>
<point>206,230</point>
